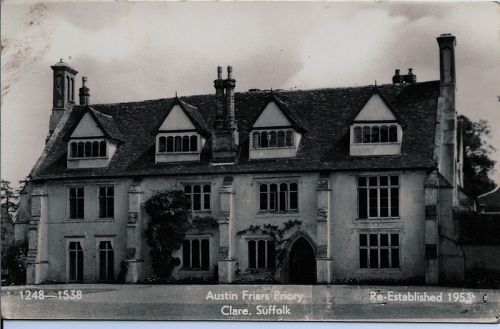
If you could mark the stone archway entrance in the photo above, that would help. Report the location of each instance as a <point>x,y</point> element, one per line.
<point>301,263</point>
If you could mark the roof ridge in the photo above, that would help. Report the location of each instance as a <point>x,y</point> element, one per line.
<point>100,113</point>
<point>265,91</point>
<point>187,104</point>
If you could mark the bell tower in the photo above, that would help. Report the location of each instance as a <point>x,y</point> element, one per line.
<point>63,92</point>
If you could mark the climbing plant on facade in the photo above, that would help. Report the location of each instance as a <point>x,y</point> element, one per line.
<point>205,222</point>
<point>278,234</point>
<point>167,227</point>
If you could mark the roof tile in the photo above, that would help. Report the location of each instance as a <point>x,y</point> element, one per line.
<point>325,114</point>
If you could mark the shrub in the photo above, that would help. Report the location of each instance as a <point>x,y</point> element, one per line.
<point>122,275</point>
<point>168,223</point>
<point>15,263</point>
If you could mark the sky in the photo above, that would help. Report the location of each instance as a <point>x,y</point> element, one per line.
<point>138,51</point>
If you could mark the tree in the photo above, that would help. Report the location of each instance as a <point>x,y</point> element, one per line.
<point>9,197</point>
<point>478,165</point>
<point>168,223</point>
<point>14,261</point>
<point>8,208</point>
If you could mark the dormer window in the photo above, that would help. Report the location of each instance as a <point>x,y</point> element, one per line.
<point>92,141</point>
<point>376,139</point>
<point>180,136</point>
<point>178,146</point>
<point>177,143</point>
<point>377,129</point>
<point>375,133</point>
<point>88,148</point>
<point>276,133</point>
<point>273,138</point>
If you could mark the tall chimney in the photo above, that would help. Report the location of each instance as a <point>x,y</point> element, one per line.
<point>447,44</point>
<point>219,96</point>
<point>84,93</point>
<point>230,84</point>
<point>446,109</point>
<point>225,138</point>
<point>63,92</point>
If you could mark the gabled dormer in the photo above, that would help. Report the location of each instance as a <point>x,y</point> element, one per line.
<point>276,133</point>
<point>181,134</point>
<point>92,141</point>
<point>377,129</point>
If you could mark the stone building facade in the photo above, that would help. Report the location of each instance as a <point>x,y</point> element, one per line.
<point>360,181</point>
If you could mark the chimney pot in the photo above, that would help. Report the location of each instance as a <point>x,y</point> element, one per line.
<point>397,78</point>
<point>410,77</point>
<point>219,72</point>
<point>229,72</point>
<point>84,93</point>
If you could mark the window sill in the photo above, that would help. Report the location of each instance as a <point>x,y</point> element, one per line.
<point>98,220</point>
<point>177,153</point>
<point>274,148</point>
<point>105,220</point>
<point>395,223</point>
<point>277,213</point>
<point>388,143</point>
<point>379,219</point>
<point>380,270</point>
<point>87,158</point>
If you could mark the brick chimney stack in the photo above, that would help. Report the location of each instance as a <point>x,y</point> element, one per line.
<point>225,138</point>
<point>397,78</point>
<point>84,93</point>
<point>219,96</point>
<point>410,78</point>
<point>230,84</point>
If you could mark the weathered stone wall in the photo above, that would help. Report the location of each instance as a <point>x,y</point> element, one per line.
<point>346,229</point>
<point>327,212</point>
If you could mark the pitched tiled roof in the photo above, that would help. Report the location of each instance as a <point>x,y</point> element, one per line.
<point>376,90</point>
<point>325,115</point>
<point>191,111</point>
<point>272,97</point>
<point>104,121</point>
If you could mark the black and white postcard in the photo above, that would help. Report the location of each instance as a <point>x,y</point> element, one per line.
<point>309,161</point>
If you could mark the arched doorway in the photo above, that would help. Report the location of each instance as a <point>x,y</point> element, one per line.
<point>301,263</point>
